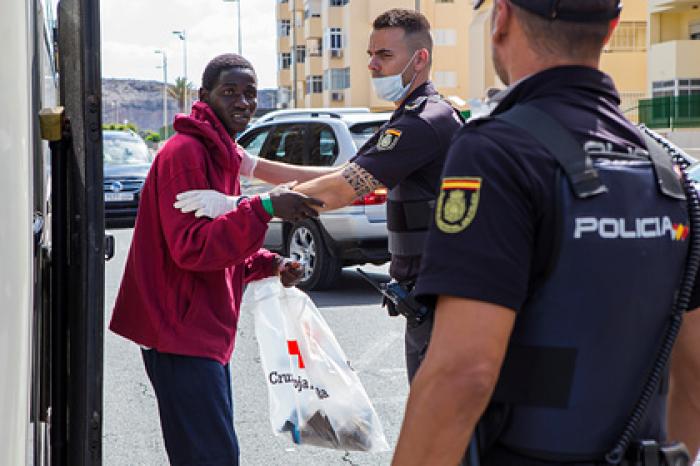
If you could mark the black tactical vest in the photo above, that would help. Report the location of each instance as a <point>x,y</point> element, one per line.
<point>410,203</point>
<point>585,341</point>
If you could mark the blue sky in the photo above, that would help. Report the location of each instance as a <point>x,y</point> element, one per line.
<point>133,29</point>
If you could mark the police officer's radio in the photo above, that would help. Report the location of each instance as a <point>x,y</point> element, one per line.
<point>399,301</point>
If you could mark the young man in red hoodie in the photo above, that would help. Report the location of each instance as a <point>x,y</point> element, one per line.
<point>181,290</point>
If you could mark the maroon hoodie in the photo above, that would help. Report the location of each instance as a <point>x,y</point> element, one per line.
<point>184,276</point>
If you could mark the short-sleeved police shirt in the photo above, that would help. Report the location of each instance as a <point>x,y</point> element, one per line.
<point>411,148</point>
<point>408,143</point>
<point>507,245</point>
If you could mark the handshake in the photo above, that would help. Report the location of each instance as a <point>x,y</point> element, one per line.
<point>286,204</point>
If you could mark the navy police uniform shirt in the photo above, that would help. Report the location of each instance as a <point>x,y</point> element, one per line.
<point>411,147</point>
<point>495,219</point>
<point>504,245</point>
<point>508,180</point>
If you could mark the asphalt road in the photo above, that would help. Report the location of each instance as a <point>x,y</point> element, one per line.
<point>372,341</point>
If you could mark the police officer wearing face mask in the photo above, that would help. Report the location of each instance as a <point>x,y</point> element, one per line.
<point>556,209</point>
<point>406,155</point>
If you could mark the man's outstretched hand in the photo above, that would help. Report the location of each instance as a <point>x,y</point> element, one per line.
<point>293,206</point>
<point>291,271</point>
<point>287,204</point>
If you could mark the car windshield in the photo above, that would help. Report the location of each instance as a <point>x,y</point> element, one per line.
<point>124,150</point>
<point>361,132</point>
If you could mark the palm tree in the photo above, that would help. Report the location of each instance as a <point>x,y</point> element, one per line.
<point>181,91</point>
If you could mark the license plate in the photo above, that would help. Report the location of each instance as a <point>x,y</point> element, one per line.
<point>119,197</point>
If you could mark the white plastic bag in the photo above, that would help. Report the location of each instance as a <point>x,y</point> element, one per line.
<point>315,396</point>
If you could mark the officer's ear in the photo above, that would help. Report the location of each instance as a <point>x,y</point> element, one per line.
<point>501,16</point>
<point>422,59</point>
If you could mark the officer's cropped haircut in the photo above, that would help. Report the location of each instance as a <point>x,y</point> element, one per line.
<point>557,38</point>
<point>415,26</point>
<point>221,63</point>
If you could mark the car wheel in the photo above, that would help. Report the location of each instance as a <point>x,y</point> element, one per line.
<point>305,244</point>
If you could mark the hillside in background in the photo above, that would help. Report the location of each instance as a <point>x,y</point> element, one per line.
<point>141,102</point>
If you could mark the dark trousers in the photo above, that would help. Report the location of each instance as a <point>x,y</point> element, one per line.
<point>196,409</point>
<point>416,344</point>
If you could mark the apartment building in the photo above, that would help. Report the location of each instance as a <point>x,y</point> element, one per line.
<point>322,50</point>
<point>674,54</point>
<point>329,38</point>
<point>624,57</point>
<point>674,68</point>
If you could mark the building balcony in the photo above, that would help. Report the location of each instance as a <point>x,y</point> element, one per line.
<point>313,65</point>
<point>313,27</point>
<point>674,59</point>
<point>670,112</point>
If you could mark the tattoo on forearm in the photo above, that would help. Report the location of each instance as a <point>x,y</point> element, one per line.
<point>360,179</point>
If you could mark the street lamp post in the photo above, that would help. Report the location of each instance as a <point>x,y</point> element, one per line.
<point>240,35</point>
<point>182,35</point>
<point>165,91</point>
<point>294,52</point>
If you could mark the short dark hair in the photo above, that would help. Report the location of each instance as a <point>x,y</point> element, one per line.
<point>578,40</point>
<point>415,26</point>
<point>220,63</point>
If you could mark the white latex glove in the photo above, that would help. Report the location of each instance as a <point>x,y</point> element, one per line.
<point>205,203</point>
<point>248,164</point>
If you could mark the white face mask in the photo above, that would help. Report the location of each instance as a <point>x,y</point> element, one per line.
<point>391,87</point>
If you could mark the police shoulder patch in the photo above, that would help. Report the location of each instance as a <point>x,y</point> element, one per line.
<point>415,104</point>
<point>457,203</point>
<point>388,139</point>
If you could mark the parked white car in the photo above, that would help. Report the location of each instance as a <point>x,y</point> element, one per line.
<point>352,235</point>
<point>301,112</point>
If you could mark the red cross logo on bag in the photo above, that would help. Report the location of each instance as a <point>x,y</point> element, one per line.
<point>293,350</point>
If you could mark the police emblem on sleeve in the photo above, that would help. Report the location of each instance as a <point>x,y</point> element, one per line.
<point>388,140</point>
<point>457,204</point>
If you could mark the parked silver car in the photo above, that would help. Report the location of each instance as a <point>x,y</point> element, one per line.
<point>352,235</point>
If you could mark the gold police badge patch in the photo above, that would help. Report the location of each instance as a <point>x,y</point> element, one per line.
<point>388,140</point>
<point>457,204</point>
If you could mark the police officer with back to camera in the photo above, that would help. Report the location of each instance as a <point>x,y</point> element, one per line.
<point>555,209</point>
<point>406,156</point>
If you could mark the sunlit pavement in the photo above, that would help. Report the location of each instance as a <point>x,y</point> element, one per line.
<point>372,341</point>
